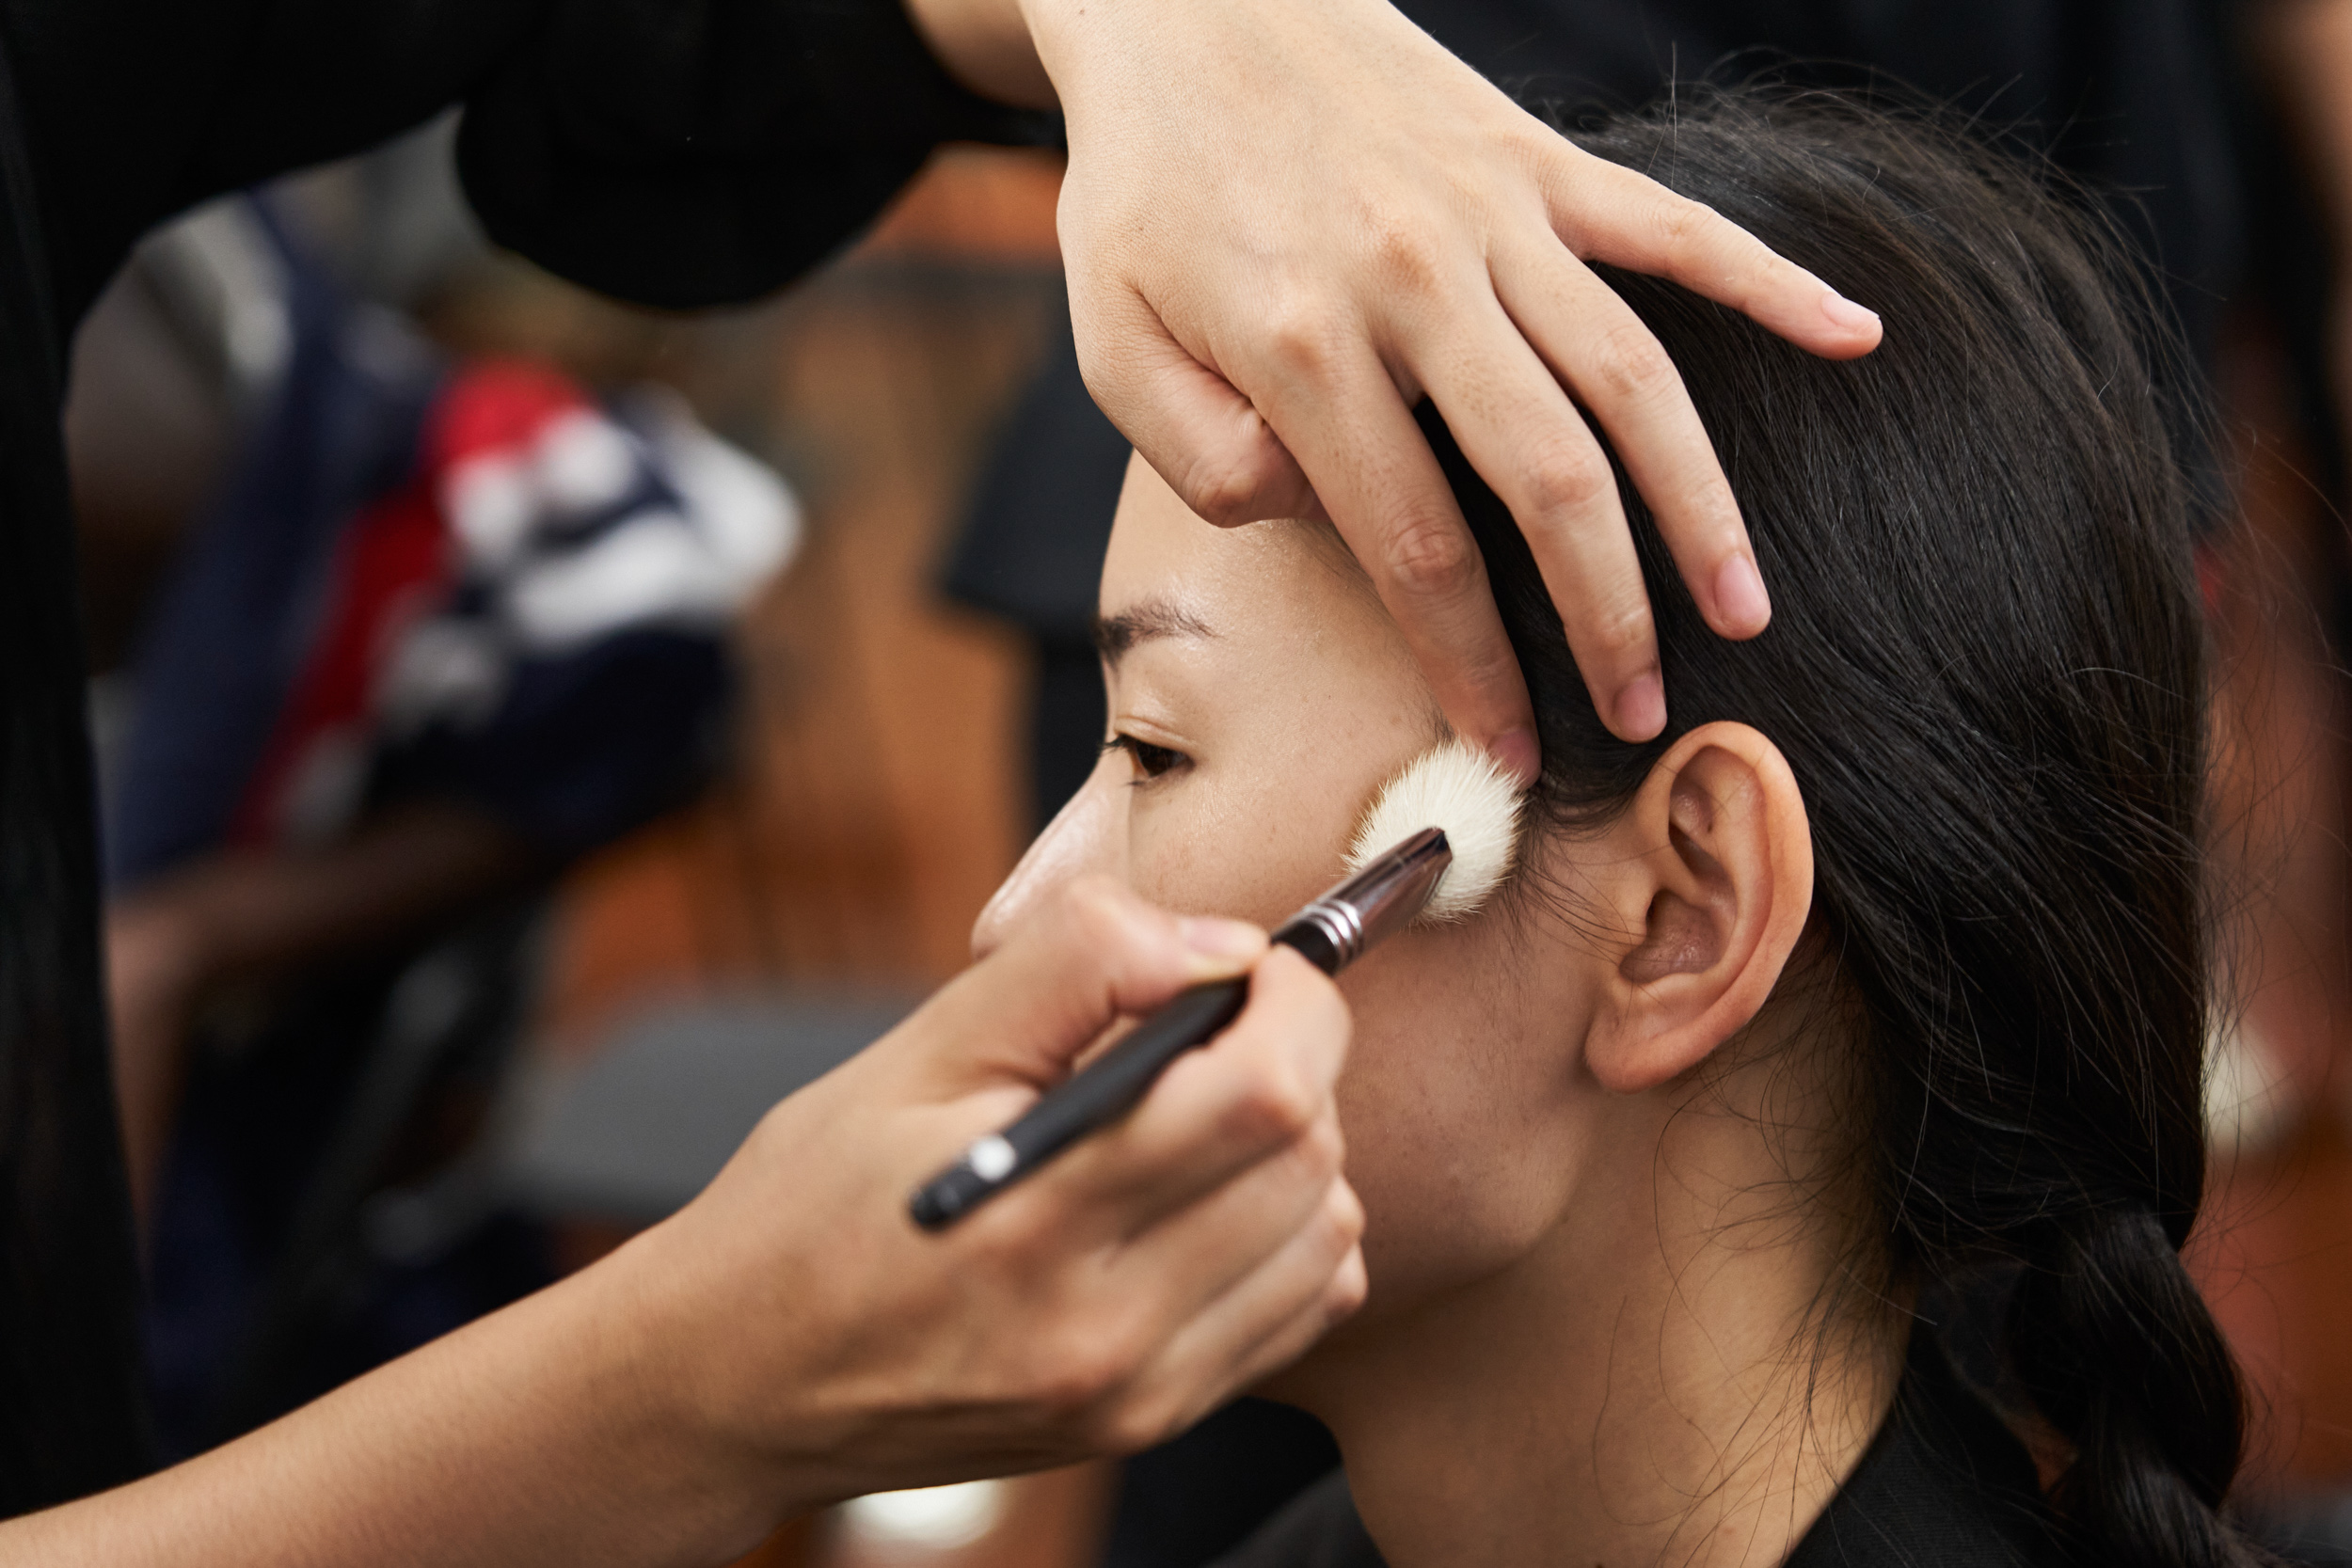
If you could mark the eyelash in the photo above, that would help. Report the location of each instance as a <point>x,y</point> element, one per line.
<point>1149,760</point>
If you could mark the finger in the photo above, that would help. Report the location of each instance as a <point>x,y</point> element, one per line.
<point>1090,954</point>
<point>1268,1319</point>
<point>1198,1255</point>
<point>1608,212</point>
<point>1518,429</point>
<point>1264,1322</point>
<point>1595,343</point>
<point>1343,419</point>
<point>1203,438</point>
<point>1247,1106</point>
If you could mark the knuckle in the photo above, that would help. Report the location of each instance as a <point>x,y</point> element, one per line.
<point>1571,481</point>
<point>1684,224</point>
<point>1431,557</point>
<point>1277,1110</point>
<point>1349,1288</point>
<point>1406,257</point>
<point>1226,491</point>
<point>1132,1426</point>
<point>1011,1244</point>
<point>1324,1148</point>
<point>1347,1214</point>
<point>1303,337</point>
<point>1618,635</point>
<point>1627,366</point>
<point>1082,1374</point>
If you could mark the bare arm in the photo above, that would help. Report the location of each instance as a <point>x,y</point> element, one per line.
<point>789,1337</point>
<point>2306,49</point>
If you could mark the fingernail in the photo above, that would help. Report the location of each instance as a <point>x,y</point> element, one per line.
<point>1641,706</point>
<point>1227,939</point>
<point>1740,602</point>
<point>1517,754</point>
<point>1846,313</point>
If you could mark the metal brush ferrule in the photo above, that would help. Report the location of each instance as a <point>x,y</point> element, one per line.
<point>1341,925</point>
<point>1381,899</point>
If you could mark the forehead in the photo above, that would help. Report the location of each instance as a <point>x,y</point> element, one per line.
<point>1171,572</point>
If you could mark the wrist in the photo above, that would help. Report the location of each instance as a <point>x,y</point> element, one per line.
<point>689,1393</point>
<point>1075,42</point>
<point>987,46</point>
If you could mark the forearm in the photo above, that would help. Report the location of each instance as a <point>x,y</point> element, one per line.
<point>541,1434</point>
<point>2306,46</point>
<point>986,45</point>
<point>788,1338</point>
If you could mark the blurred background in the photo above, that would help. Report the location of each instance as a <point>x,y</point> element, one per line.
<point>537,734</point>
<point>394,1062</point>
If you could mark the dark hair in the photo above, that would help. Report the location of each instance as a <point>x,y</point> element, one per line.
<point>1985,670</point>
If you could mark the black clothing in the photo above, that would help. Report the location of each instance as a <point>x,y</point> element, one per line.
<point>678,152</point>
<point>1206,1491</point>
<point>1942,1486</point>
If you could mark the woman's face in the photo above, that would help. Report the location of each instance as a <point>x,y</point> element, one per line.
<point>1259,696</point>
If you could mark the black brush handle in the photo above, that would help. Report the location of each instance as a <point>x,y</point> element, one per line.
<point>1330,933</point>
<point>1099,1094</point>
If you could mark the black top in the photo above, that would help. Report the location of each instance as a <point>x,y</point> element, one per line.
<point>1943,1485</point>
<point>676,152</point>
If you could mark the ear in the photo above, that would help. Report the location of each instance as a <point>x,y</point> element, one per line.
<point>1712,887</point>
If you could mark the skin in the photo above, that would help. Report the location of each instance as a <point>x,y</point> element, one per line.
<point>1259,319</point>
<point>2305,47</point>
<point>255,915</point>
<point>1588,1333</point>
<point>789,1337</point>
<point>1258,314</point>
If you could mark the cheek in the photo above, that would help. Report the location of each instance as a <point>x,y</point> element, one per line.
<point>1466,1104</point>
<point>1243,835</point>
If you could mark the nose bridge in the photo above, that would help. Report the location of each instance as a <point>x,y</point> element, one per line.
<point>1088,834</point>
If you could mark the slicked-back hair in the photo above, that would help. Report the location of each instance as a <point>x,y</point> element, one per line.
<point>1985,670</point>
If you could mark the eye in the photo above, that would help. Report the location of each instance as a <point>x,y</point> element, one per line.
<point>1150,761</point>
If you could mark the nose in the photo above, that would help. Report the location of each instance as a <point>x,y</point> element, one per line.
<point>1088,834</point>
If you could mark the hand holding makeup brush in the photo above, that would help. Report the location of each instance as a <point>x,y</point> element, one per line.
<point>789,1338</point>
<point>1114,1298</point>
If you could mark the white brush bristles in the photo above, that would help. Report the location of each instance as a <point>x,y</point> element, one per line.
<point>1455,786</point>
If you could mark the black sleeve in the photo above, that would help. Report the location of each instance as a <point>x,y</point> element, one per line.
<point>687,154</point>
<point>674,153</point>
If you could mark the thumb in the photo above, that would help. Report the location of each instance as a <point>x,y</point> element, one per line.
<point>1091,954</point>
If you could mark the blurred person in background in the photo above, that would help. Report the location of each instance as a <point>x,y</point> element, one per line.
<point>451,623</point>
<point>708,154</point>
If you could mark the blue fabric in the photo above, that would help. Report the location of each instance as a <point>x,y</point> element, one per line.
<point>232,628</point>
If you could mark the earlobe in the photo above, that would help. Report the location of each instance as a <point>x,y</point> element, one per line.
<point>1712,890</point>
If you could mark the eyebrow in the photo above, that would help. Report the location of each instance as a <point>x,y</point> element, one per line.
<point>1141,622</point>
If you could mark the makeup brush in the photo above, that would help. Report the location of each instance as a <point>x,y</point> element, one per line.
<point>1456,786</point>
<point>1448,820</point>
